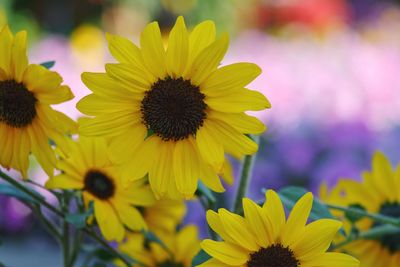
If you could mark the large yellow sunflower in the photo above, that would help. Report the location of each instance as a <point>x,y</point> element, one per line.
<point>265,238</point>
<point>172,113</point>
<point>378,192</point>
<point>88,168</point>
<point>181,247</point>
<point>27,121</point>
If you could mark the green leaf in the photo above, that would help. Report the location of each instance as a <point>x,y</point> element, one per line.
<point>103,255</point>
<point>9,190</point>
<point>150,132</point>
<point>377,232</point>
<point>79,219</point>
<point>200,258</point>
<point>290,195</point>
<point>48,64</point>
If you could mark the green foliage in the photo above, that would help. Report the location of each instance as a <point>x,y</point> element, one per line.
<point>290,195</point>
<point>352,216</point>
<point>79,219</point>
<point>8,190</point>
<point>48,64</point>
<point>200,258</point>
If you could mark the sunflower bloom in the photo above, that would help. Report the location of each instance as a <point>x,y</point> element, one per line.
<point>378,192</point>
<point>172,113</point>
<point>263,237</point>
<point>27,121</point>
<point>165,215</point>
<point>88,168</point>
<point>181,245</point>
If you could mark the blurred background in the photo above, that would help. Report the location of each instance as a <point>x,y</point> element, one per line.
<point>331,69</point>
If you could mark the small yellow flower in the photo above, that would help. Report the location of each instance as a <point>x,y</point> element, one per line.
<point>164,215</point>
<point>27,121</point>
<point>173,114</point>
<point>263,237</point>
<point>378,192</point>
<point>181,245</point>
<point>88,168</point>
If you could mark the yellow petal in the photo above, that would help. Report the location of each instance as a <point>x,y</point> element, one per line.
<point>161,172</point>
<point>296,222</point>
<point>40,80</point>
<point>6,40</point>
<point>111,124</point>
<point>64,181</point>
<point>19,59</point>
<point>56,96</point>
<point>210,149</point>
<point>212,263</point>
<point>94,105</point>
<point>103,85</point>
<point>107,219</point>
<point>141,162</point>
<point>208,60</point>
<point>178,49</point>
<point>235,227</point>
<point>187,243</point>
<point>153,50</point>
<point>133,78</point>
<point>240,121</point>
<point>230,77</point>
<point>334,259</point>
<point>210,178</point>
<point>238,100</point>
<point>201,37</point>
<point>232,140</point>
<point>186,167</point>
<point>274,210</point>
<point>316,238</point>
<point>124,50</point>
<point>225,252</point>
<point>131,217</point>
<point>258,223</point>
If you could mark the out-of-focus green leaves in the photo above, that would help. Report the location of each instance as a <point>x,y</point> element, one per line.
<point>48,64</point>
<point>8,190</point>
<point>79,219</point>
<point>200,258</point>
<point>290,195</point>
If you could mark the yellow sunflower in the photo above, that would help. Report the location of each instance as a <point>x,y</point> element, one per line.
<point>173,113</point>
<point>181,245</point>
<point>88,168</point>
<point>378,192</point>
<point>164,215</point>
<point>27,121</point>
<point>263,237</point>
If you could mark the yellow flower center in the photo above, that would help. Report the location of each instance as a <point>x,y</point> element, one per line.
<point>17,104</point>
<point>173,109</point>
<point>390,241</point>
<point>99,184</point>
<point>275,255</point>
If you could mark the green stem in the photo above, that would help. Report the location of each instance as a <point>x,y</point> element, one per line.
<point>48,225</point>
<point>376,217</point>
<point>65,233</point>
<point>245,178</point>
<point>59,213</point>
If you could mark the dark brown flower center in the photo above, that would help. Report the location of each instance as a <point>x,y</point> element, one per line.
<point>99,184</point>
<point>17,104</point>
<point>169,263</point>
<point>275,255</point>
<point>390,241</point>
<point>173,109</point>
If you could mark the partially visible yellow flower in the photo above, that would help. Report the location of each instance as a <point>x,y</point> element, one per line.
<point>27,121</point>
<point>182,246</point>
<point>378,192</point>
<point>88,168</point>
<point>263,237</point>
<point>173,113</point>
<point>164,215</point>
